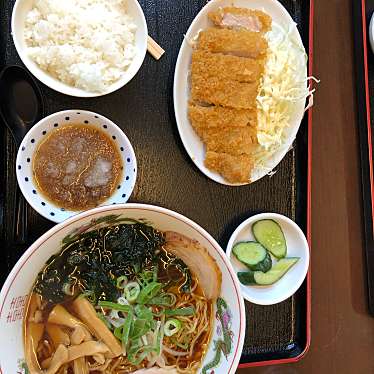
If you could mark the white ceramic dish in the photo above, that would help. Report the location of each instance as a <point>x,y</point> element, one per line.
<point>371,32</point>
<point>297,246</point>
<point>13,295</point>
<point>191,141</point>
<point>57,120</point>
<point>20,10</point>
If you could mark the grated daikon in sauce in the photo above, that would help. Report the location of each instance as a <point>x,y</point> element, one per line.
<point>77,167</point>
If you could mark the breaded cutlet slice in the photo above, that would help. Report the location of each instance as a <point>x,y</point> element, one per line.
<point>235,169</point>
<point>224,92</point>
<point>218,116</point>
<point>234,140</point>
<point>226,67</point>
<point>249,19</point>
<point>241,42</point>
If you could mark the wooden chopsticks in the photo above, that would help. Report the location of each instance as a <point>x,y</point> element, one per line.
<point>154,49</point>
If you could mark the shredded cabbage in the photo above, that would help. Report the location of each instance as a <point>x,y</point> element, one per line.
<point>282,86</point>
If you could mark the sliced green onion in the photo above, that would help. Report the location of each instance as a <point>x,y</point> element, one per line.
<point>143,312</point>
<point>139,328</point>
<point>187,311</point>
<point>138,356</point>
<point>118,332</point>
<point>145,277</point>
<point>167,299</point>
<point>121,282</point>
<point>115,306</point>
<point>149,292</point>
<point>131,291</point>
<point>144,340</point>
<point>154,324</point>
<point>160,334</point>
<point>122,300</point>
<point>127,327</point>
<point>172,326</point>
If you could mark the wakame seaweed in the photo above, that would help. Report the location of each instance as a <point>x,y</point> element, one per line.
<point>92,262</point>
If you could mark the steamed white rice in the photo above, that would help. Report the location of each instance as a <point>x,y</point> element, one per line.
<point>88,44</point>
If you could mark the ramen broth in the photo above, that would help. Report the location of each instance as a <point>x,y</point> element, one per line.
<point>100,270</point>
<point>77,167</point>
<point>47,344</point>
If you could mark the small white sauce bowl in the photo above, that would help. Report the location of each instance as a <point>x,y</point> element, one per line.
<point>57,120</point>
<point>20,10</point>
<point>297,246</point>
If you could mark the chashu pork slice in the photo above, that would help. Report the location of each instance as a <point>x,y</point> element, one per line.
<point>198,260</point>
<point>237,18</point>
<point>208,117</point>
<point>236,169</point>
<point>241,42</point>
<point>225,67</point>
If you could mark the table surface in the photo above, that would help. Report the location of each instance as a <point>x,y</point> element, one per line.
<point>342,330</point>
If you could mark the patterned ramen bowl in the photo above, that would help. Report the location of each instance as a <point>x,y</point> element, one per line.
<point>227,331</point>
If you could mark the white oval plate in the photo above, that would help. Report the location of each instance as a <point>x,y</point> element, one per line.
<point>191,141</point>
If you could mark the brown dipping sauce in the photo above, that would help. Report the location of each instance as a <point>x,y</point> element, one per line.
<point>77,167</point>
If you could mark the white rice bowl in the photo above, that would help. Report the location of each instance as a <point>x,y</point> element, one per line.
<point>81,47</point>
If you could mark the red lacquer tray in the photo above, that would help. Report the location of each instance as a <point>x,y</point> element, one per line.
<point>144,110</point>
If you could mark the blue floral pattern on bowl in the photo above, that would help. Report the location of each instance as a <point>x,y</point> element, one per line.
<point>222,345</point>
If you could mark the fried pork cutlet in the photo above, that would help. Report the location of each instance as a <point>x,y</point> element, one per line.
<point>226,71</point>
<point>222,117</point>
<point>225,67</point>
<point>235,140</point>
<point>241,42</point>
<point>236,169</point>
<point>224,92</point>
<point>237,18</point>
